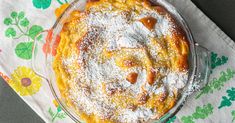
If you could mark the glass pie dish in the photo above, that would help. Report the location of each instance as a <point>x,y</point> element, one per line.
<point>198,60</point>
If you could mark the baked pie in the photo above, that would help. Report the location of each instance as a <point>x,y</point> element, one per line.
<point>121,61</point>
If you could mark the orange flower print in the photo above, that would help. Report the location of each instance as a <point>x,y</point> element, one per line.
<point>47,49</point>
<point>6,78</point>
<point>61,9</point>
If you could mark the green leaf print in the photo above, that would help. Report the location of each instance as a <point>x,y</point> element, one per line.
<point>231,94</point>
<point>61,3</point>
<point>7,21</point>
<point>19,22</point>
<point>51,112</point>
<point>233,115</point>
<point>41,4</point>
<point>10,32</point>
<point>21,15</point>
<point>163,118</point>
<point>44,4</point>
<point>61,115</point>
<point>13,14</point>
<point>171,120</point>
<point>217,83</point>
<point>59,109</point>
<point>200,113</point>
<point>39,38</point>
<point>24,50</point>
<point>34,30</point>
<point>217,61</point>
<point>24,22</point>
<point>227,100</point>
<point>18,27</point>
<point>203,112</point>
<point>58,114</point>
<point>187,119</point>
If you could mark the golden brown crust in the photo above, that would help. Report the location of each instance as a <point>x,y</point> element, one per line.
<point>149,22</point>
<point>132,77</point>
<point>174,51</point>
<point>178,41</point>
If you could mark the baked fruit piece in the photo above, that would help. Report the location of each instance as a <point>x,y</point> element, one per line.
<point>121,61</point>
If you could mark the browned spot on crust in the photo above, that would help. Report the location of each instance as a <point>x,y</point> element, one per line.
<point>80,44</point>
<point>149,22</point>
<point>113,89</point>
<point>163,96</point>
<point>151,76</point>
<point>129,63</point>
<point>146,3</point>
<point>132,77</point>
<point>178,40</point>
<point>182,62</point>
<point>132,107</point>
<point>161,10</point>
<point>142,98</point>
<point>87,40</point>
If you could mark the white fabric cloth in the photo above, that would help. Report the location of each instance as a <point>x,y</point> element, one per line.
<point>205,32</point>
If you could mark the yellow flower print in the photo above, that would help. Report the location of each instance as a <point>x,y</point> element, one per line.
<point>25,81</point>
<point>55,103</point>
<point>61,9</point>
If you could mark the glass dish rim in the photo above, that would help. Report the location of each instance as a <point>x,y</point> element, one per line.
<point>180,102</point>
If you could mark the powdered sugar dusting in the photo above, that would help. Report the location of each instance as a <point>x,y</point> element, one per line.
<point>113,31</point>
<point>176,80</point>
<point>122,29</point>
<point>141,114</point>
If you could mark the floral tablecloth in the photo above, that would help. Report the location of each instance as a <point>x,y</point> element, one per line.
<point>22,20</point>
